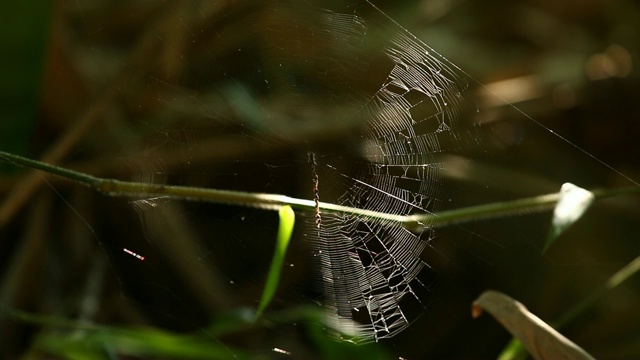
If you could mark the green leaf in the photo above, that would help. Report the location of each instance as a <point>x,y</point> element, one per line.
<point>287,219</point>
<point>573,202</point>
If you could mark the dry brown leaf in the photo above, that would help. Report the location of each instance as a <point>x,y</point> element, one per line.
<point>540,339</point>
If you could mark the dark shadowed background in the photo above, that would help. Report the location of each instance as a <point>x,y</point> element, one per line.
<point>184,92</point>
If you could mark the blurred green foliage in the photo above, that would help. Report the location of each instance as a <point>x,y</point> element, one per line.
<point>24,37</point>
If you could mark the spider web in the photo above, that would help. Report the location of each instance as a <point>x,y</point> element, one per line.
<point>370,267</point>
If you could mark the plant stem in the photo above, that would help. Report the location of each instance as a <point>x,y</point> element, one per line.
<point>415,222</point>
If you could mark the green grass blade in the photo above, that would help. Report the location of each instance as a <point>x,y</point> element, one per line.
<point>285,229</point>
<point>513,351</point>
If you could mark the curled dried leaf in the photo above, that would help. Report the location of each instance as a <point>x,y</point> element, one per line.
<point>540,339</point>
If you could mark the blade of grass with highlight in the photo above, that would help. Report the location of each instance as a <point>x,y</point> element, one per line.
<point>285,229</point>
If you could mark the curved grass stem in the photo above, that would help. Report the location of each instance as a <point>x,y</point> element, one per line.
<point>414,222</point>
